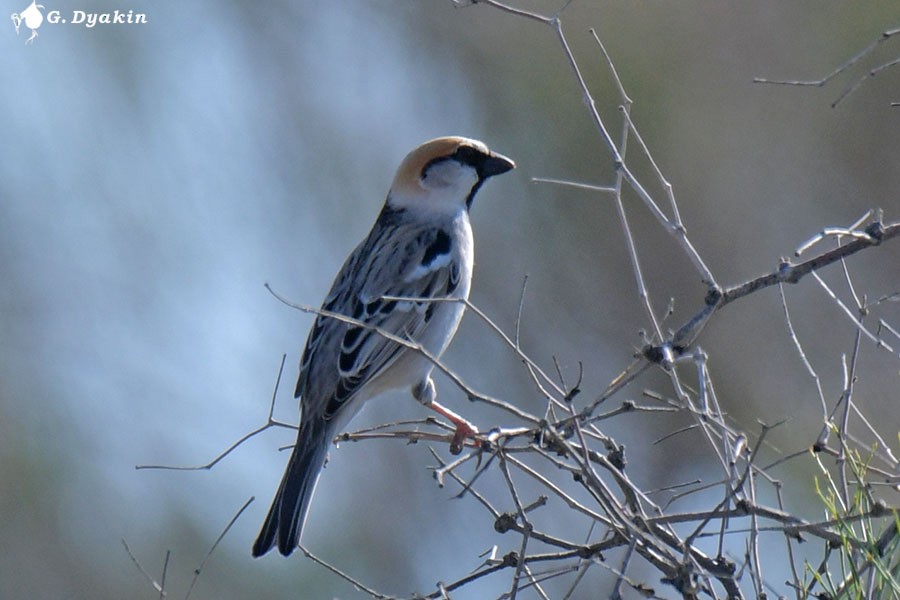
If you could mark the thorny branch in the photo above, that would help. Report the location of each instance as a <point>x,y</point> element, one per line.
<point>614,504</point>
<point>786,272</point>
<point>630,519</point>
<point>572,461</point>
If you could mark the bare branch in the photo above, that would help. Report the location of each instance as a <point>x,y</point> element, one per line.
<point>886,35</point>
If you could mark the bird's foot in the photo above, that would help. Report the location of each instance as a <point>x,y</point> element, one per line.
<point>464,429</point>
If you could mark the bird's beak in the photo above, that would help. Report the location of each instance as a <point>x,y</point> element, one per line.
<point>495,164</point>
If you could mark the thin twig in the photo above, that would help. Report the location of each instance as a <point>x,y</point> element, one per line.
<point>157,586</point>
<point>212,548</point>
<point>886,35</point>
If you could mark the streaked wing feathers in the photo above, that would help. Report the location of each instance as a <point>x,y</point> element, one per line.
<point>397,259</point>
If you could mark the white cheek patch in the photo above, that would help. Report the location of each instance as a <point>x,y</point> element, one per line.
<point>444,173</point>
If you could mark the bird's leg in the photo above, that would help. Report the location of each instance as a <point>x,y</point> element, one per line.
<point>464,429</point>
<point>425,393</point>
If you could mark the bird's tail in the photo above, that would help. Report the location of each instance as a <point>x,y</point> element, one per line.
<point>291,504</point>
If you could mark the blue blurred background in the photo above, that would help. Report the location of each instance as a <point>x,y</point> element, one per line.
<point>154,177</point>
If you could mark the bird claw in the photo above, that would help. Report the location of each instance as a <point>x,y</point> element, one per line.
<point>464,430</point>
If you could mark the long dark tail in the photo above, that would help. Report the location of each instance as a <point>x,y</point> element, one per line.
<point>291,504</point>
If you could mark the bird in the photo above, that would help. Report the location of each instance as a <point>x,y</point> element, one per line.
<point>419,249</point>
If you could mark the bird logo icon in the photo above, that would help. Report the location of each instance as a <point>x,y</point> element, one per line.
<point>32,17</point>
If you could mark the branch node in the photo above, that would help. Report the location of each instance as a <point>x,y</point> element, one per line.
<point>726,566</point>
<point>685,580</point>
<point>786,271</point>
<point>713,295</point>
<point>593,551</point>
<point>875,230</point>
<point>505,522</point>
<point>616,456</point>
<point>662,354</point>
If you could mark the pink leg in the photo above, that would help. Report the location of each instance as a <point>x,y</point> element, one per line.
<point>425,393</point>
<point>464,429</point>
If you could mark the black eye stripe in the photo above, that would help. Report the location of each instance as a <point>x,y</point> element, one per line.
<point>469,156</point>
<point>465,155</point>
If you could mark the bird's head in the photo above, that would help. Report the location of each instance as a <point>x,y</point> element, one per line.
<point>445,173</point>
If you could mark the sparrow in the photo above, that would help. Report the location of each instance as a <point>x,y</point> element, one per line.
<point>419,249</point>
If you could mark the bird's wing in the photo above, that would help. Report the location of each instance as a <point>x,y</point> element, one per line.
<point>398,259</point>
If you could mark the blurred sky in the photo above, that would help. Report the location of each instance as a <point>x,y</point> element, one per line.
<point>154,177</point>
